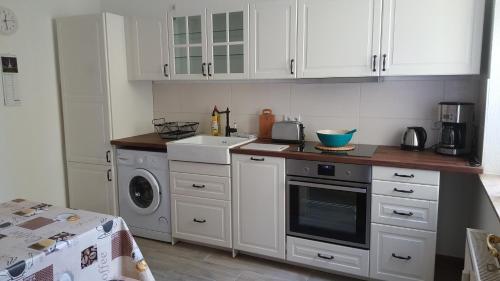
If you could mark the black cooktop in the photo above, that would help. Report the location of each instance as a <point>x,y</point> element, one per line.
<point>360,150</point>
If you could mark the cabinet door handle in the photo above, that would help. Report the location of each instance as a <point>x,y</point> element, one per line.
<point>198,186</point>
<point>209,71</point>
<point>109,175</point>
<point>409,214</point>
<point>292,63</point>
<point>325,257</point>
<point>165,70</point>
<point>199,221</point>
<point>108,156</point>
<point>404,176</point>
<point>257,159</point>
<point>400,257</point>
<point>384,59</point>
<point>403,191</point>
<point>203,69</point>
<point>374,63</point>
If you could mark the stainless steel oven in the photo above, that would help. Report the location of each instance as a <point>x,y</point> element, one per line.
<point>329,202</point>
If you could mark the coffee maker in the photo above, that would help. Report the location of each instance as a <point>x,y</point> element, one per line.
<point>457,120</point>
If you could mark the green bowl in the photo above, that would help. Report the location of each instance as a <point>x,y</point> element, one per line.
<point>335,138</point>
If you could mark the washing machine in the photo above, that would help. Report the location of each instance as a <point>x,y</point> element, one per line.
<point>144,193</point>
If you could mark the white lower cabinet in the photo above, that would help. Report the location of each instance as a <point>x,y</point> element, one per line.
<point>401,253</point>
<point>201,203</point>
<point>259,205</point>
<point>202,220</point>
<point>419,214</point>
<point>328,256</point>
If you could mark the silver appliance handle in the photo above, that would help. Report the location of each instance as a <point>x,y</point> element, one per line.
<point>327,186</point>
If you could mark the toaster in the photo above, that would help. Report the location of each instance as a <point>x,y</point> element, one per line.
<point>288,132</point>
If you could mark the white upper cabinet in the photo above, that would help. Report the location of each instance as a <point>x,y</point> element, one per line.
<point>227,44</point>
<point>187,43</point>
<point>432,37</point>
<point>273,39</point>
<point>338,38</point>
<point>147,49</point>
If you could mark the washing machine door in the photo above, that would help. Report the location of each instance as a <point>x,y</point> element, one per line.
<point>143,192</point>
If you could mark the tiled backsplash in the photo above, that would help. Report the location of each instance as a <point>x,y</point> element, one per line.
<point>380,111</point>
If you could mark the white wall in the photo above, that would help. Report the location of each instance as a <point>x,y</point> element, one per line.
<point>31,143</point>
<point>380,111</point>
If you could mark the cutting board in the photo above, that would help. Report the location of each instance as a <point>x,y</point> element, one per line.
<point>265,146</point>
<point>266,121</point>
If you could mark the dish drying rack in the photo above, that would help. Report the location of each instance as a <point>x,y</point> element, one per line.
<point>174,130</point>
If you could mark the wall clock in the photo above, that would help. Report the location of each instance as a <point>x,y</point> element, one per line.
<point>8,21</point>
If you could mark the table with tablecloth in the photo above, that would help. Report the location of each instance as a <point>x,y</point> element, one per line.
<point>41,242</point>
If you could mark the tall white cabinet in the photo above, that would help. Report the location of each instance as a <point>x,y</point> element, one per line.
<point>259,205</point>
<point>98,103</point>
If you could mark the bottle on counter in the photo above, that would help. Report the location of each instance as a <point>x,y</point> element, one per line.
<point>215,125</point>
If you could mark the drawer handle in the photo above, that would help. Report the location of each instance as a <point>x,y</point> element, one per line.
<point>325,257</point>
<point>257,159</point>
<point>199,221</point>
<point>404,176</point>
<point>400,257</point>
<point>409,214</point>
<point>199,186</point>
<point>404,191</point>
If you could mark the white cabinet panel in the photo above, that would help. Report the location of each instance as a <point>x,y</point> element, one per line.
<point>420,214</point>
<point>338,38</point>
<point>90,189</point>
<point>147,48</point>
<point>328,256</point>
<point>259,205</point>
<point>81,56</point>
<point>86,129</point>
<point>187,43</point>
<point>406,190</point>
<point>228,41</point>
<point>406,175</point>
<point>200,186</point>
<point>273,38</point>
<point>202,220</point>
<point>399,254</point>
<point>432,37</point>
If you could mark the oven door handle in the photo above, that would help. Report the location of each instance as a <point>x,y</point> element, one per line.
<point>327,186</point>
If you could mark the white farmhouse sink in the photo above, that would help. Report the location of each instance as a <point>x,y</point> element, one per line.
<point>205,149</point>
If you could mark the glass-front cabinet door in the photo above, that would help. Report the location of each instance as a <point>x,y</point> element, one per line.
<point>188,44</point>
<point>228,33</point>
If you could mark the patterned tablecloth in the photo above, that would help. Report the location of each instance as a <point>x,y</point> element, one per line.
<point>41,242</point>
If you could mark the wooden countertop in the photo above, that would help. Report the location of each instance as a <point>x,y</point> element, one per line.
<point>148,142</point>
<point>391,156</point>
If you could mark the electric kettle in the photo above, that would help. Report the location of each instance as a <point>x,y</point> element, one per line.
<point>414,139</point>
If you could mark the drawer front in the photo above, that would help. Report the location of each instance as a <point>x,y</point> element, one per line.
<point>200,186</point>
<point>406,190</point>
<point>328,256</point>
<point>402,254</point>
<point>202,220</point>
<point>420,214</point>
<point>406,175</point>
<point>200,168</point>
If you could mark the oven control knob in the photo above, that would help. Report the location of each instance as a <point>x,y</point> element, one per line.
<point>348,172</point>
<point>306,170</point>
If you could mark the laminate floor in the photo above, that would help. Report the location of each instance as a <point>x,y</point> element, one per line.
<point>189,262</point>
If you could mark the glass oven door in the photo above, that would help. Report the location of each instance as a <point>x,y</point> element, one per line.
<point>328,212</point>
